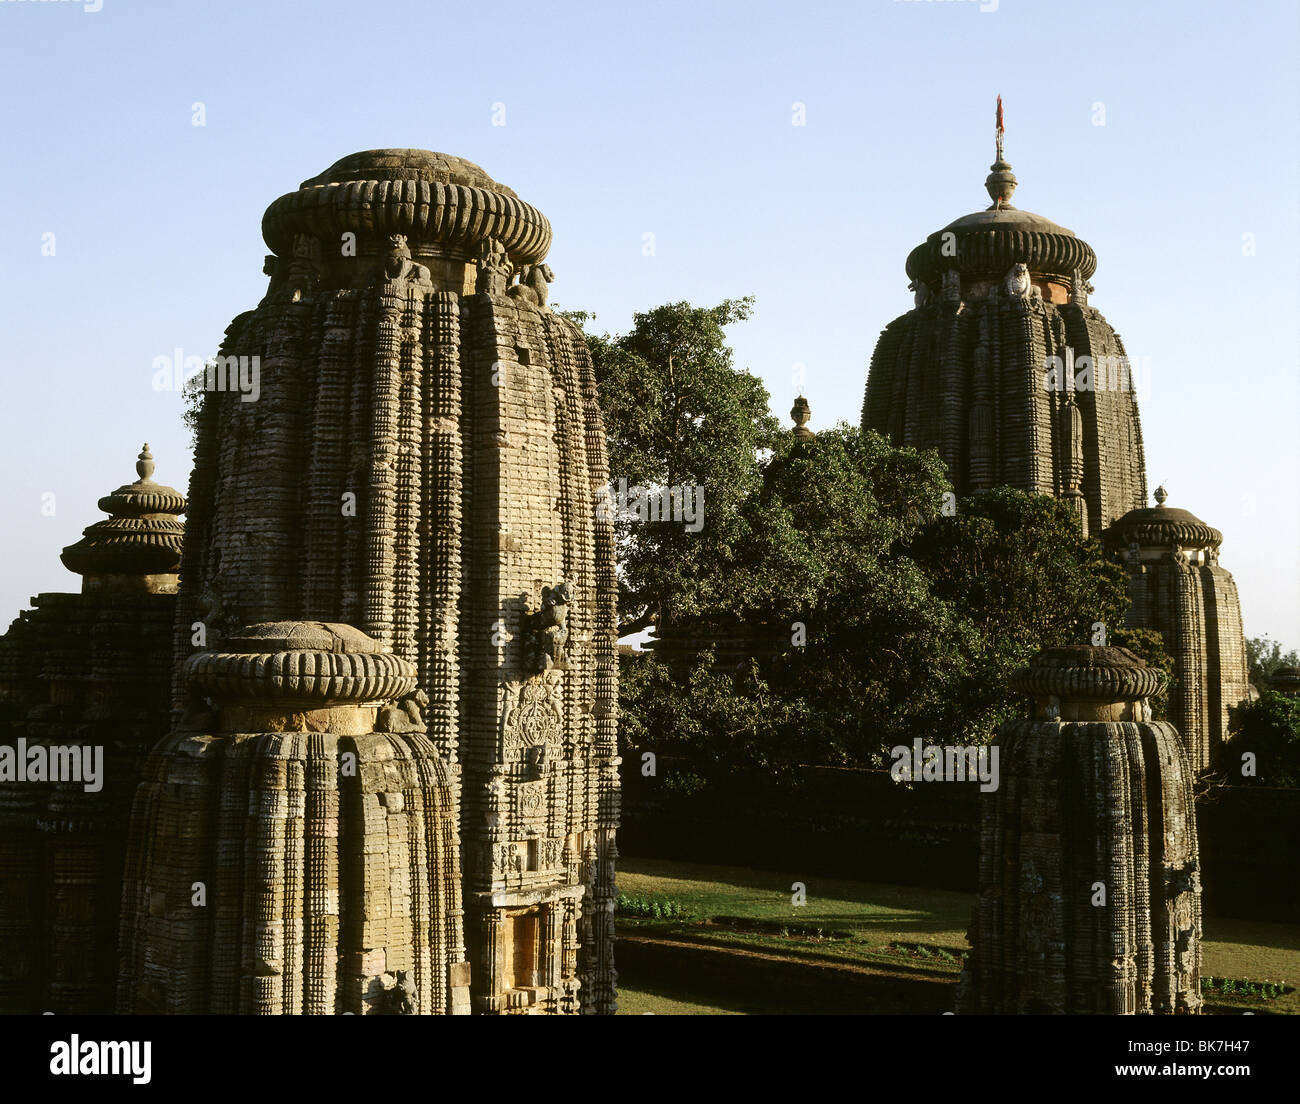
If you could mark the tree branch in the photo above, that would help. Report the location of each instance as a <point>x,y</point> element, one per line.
<point>643,621</point>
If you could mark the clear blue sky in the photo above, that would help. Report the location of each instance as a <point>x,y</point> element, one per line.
<point>673,119</point>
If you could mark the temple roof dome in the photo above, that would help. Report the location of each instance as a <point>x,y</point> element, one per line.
<point>406,164</point>
<point>1161,525</point>
<point>989,242</point>
<point>142,534</point>
<point>1082,671</point>
<point>443,204</point>
<point>1007,218</point>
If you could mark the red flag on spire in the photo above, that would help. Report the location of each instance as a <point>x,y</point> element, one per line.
<point>1000,127</point>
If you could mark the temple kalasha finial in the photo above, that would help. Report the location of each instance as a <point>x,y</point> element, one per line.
<point>144,465</point>
<point>800,413</point>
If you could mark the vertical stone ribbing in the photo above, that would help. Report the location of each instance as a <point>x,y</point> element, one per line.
<point>381,507</point>
<point>409,471</point>
<point>465,429</point>
<point>955,385</point>
<point>1089,899</point>
<point>321,924</point>
<point>1178,589</point>
<point>972,385</point>
<point>443,482</point>
<point>324,482</point>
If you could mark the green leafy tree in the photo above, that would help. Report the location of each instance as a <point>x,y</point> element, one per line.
<point>1265,656</point>
<point>868,612</point>
<point>1268,729</point>
<point>875,616</point>
<point>1023,576</point>
<point>679,414</point>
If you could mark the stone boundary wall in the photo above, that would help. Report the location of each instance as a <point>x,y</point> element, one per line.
<point>861,825</point>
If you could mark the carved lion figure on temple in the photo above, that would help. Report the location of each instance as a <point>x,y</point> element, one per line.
<point>548,630</point>
<point>397,264</point>
<point>1017,283</point>
<point>532,287</point>
<point>406,715</point>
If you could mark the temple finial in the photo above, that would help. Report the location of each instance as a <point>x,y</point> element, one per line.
<point>1161,495</point>
<point>800,413</point>
<point>1001,182</point>
<point>144,466</point>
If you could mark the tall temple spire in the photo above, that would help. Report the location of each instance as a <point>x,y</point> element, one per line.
<point>1001,182</point>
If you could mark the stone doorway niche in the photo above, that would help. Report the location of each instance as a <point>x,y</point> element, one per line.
<point>523,949</point>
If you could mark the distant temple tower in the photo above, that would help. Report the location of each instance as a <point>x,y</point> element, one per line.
<point>1004,368</point>
<point>406,505</point>
<point>1089,876</point>
<point>81,673</point>
<point>1285,681</point>
<point>1178,588</point>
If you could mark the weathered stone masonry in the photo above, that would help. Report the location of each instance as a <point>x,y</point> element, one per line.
<point>420,468</point>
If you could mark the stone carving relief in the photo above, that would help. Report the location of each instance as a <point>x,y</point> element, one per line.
<point>951,289</point>
<point>272,267</point>
<point>1036,909</point>
<point>510,861</point>
<point>536,717</point>
<point>546,631</point>
<point>400,1000</point>
<point>535,759</point>
<point>304,266</point>
<point>494,268</point>
<point>532,800</point>
<point>397,264</point>
<point>533,285</point>
<point>1017,283</point>
<point>1080,289</point>
<point>406,715</point>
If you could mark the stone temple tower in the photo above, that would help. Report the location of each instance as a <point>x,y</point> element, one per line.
<point>83,677</point>
<point>1005,368</point>
<point>1178,588</point>
<point>393,556</point>
<point>1089,881</point>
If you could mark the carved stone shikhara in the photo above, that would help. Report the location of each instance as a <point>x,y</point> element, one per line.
<point>998,292</point>
<point>83,671</point>
<point>989,370</point>
<point>1089,888</point>
<point>327,851</point>
<point>1177,587</point>
<point>425,449</point>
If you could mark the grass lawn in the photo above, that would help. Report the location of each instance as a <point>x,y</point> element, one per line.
<point>875,927</point>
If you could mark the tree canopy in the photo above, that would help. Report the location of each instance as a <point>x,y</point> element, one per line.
<point>678,414</point>
<point>877,605</point>
<point>1265,655</point>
